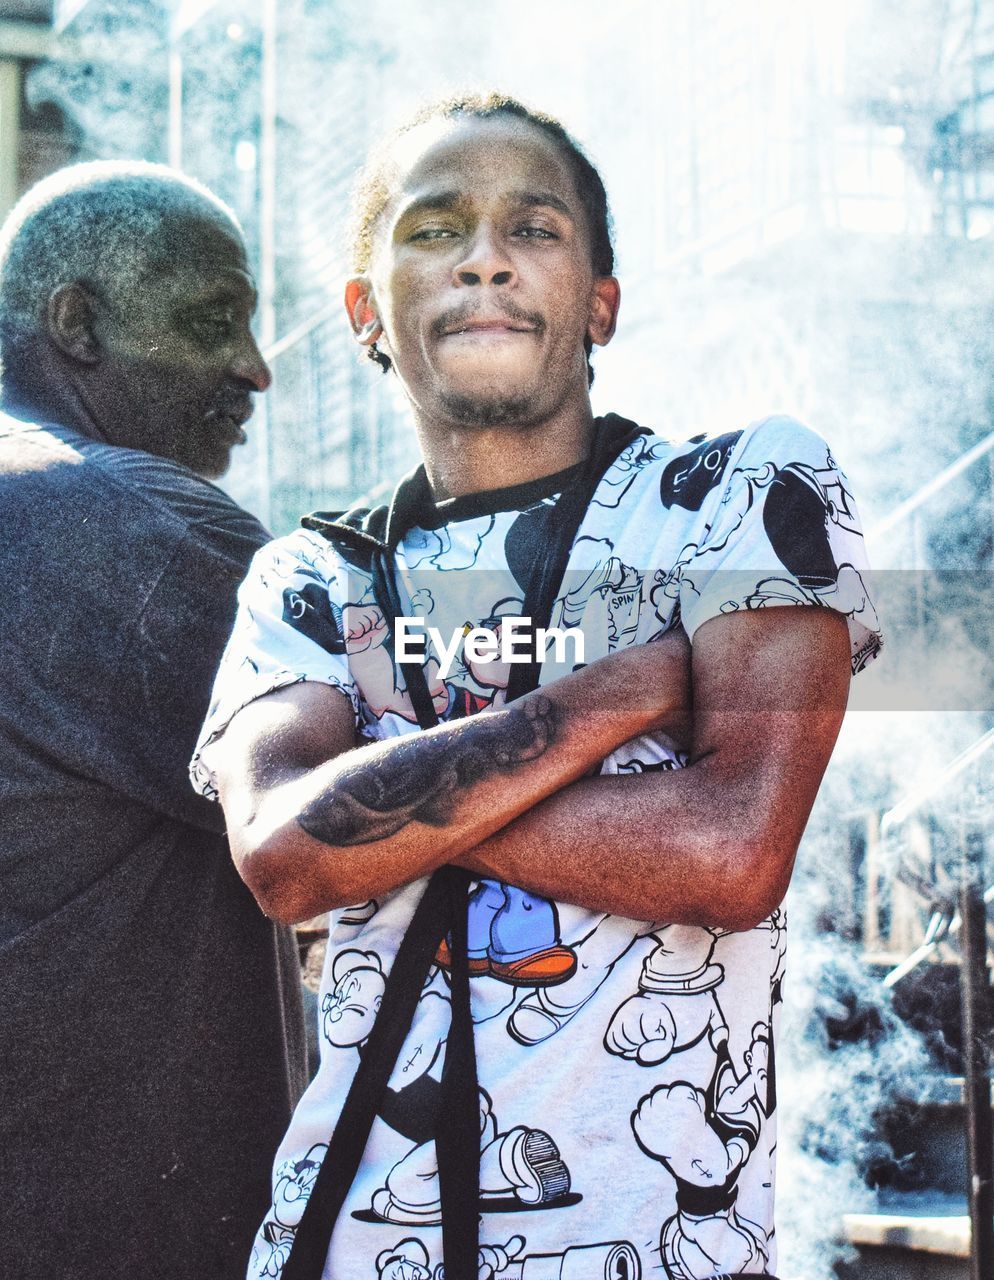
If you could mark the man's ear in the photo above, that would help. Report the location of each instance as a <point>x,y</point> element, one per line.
<point>70,322</point>
<point>361,306</point>
<point>605,299</point>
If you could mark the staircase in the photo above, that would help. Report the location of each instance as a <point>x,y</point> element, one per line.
<point>921,1227</point>
<point>924,1239</point>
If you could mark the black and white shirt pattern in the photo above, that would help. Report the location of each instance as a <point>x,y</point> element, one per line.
<point>627,1068</point>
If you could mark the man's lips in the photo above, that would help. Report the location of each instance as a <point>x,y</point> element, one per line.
<point>508,319</point>
<point>233,417</point>
<point>486,326</point>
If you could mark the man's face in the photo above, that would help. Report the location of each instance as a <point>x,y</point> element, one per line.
<point>481,276</point>
<point>179,362</point>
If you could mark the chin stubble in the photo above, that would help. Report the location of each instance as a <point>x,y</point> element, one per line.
<point>493,411</point>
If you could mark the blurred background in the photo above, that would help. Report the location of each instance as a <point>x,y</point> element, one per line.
<point>803,196</point>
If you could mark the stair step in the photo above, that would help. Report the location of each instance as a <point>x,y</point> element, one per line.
<point>928,1140</point>
<point>912,1236</point>
<point>922,1233</point>
<point>950,1091</point>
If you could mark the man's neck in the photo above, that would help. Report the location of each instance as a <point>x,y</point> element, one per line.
<point>47,399</point>
<point>461,460</point>
<point>25,407</point>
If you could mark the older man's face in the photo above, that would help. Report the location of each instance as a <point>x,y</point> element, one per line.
<point>180,361</point>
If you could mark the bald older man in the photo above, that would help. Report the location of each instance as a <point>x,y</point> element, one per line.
<point>153,1040</point>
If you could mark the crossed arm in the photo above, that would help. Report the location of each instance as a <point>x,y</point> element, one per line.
<point>316,822</point>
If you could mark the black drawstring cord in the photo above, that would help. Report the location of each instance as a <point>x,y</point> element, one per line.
<point>441,912</point>
<point>457,1124</point>
<point>346,1146</point>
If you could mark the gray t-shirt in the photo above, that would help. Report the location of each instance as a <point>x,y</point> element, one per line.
<point>151,1014</point>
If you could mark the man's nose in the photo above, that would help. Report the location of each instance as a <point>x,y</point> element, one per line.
<point>486,260</point>
<point>250,366</point>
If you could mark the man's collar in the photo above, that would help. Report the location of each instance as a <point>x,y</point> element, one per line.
<point>383,528</point>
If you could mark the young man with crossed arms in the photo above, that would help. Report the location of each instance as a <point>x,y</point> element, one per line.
<point>624,937</point>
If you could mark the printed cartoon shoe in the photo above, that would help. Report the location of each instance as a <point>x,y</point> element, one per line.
<point>531,1162</point>
<point>537,1018</point>
<point>387,1209</point>
<point>543,969</point>
<point>478,965</point>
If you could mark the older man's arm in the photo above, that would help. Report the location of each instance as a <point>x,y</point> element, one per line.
<point>315,822</point>
<point>713,843</point>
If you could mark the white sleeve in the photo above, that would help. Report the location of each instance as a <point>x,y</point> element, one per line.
<point>785,532</point>
<point>288,629</point>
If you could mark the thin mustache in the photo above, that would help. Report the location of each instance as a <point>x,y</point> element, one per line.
<point>239,408</point>
<point>461,315</point>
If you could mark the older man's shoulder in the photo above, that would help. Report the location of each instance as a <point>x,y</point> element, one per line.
<point>60,473</point>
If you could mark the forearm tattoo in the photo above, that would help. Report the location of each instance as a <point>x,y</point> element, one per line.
<point>421,778</point>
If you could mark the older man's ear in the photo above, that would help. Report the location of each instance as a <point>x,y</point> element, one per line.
<point>71,320</point>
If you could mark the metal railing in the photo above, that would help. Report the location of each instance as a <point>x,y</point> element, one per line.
<point>964,918</point>
<point>910,506</point>
<point>919,798</point>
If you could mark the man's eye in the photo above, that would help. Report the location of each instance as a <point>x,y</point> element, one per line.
<point>433,233</point>
<point>213,325</point>
<point>532,232</point>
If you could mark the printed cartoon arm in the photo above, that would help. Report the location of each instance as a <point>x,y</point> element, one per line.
<point>714,843</point>
<point>315,822</point>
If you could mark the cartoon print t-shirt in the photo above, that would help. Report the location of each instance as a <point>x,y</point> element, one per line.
<point>626,1068</point>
